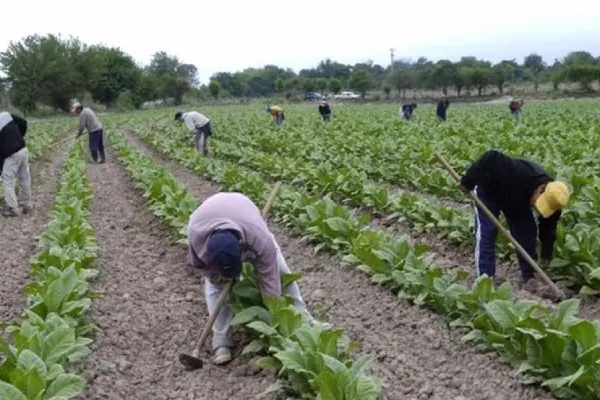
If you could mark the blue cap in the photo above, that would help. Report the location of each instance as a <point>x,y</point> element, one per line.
<point>224,251</point>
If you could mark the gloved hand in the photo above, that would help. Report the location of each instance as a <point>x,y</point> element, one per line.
<point>463,189</point>
<point>231,273</point>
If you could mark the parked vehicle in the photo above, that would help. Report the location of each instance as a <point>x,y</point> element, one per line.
<point>347,96</point>
<point>312,96</point>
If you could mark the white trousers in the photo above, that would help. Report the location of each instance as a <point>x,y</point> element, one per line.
<point>221,328</point>
<point>17,167</point>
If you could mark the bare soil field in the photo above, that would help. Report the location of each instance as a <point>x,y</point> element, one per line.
<point>418,357</point>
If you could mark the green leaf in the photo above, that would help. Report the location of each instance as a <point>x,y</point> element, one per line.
<point>255,346</point>
<point>251,314</point>
<point>263,328</point>
<point>9,392</point>
<point>67,385</point>
<point>269,363</point>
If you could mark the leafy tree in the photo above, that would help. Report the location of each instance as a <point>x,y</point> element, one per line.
<point>444,74</point>
<point>39,69</point>
<point>500,74</point>
<point>321,84</point>
<point>118,73</point>
<point>279,85</point>
<point>335,86</point>
<point>403,79</point>
<point>361,81</point>
<point>214,87</point>
<point>309,85</point>
<point>387,89</point>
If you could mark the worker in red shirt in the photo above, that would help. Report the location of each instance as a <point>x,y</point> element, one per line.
<point>515,106</point>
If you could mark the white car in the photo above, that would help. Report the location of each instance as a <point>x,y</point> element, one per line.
<point>347,96</point>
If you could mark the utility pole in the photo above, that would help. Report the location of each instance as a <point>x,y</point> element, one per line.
<point>392,58</point>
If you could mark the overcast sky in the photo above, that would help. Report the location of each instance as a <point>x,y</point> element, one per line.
<point>229,35</point>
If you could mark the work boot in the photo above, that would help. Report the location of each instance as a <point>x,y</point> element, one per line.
<point>222,356</point>
<point>95,156</point>
<point>9,212</point>
<point>102,157</point>
<point>27,208</point>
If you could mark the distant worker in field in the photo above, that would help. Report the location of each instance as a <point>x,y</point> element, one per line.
<point>277,114</point>
<point>14,164</point>
<point>442,108</point>
<point>325,110</point>
<point>199,126</point>
<point>515,107</point>
<point>225,231</point>
<point>406,110</point>
<point>90,122</point>
<point>513,186</point>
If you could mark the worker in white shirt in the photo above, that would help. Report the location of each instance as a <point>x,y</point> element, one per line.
<point>199,126</point>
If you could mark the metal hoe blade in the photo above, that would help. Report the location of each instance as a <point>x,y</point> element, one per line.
<point>190,362</point>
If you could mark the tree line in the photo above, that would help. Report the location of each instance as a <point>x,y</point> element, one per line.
<point>469,75</point>
<point>51,70</point>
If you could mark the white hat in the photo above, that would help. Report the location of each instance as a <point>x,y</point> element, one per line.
<point>75,106</point>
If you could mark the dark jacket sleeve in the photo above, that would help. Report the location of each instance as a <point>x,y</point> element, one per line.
<point>21,123</point>
<point>489,160</point>
<point>547,233</point>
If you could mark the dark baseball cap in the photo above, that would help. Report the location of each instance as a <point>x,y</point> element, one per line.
<point>224,251</point>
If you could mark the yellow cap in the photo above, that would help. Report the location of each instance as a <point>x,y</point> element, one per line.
<point>554,198</point>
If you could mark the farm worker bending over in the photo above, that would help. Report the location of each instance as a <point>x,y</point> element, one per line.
<point>325,111</point>
<point>442,107</point>
<point>277,114</point>
<point>515,107</point>
<point>14,163</point>
<point>224,231</point>
<point>513,186</point>
<point>90,122</point>
<point>199,126</point>
<point>406,110</point>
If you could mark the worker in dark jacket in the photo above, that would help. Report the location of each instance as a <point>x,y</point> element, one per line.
<point>15,163</point>
<point>442,107</point>
<point>406,110</point>
<point>513,186</point>
<point>325,111</point>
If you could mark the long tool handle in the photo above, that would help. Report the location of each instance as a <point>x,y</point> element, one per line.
<point>223,297</point>
<point>62,141</point>
<point>503,230</point>
<point>229,285</point>
<point>270,200</point>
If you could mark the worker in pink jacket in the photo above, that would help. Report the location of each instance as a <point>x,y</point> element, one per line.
<point>224,231</point>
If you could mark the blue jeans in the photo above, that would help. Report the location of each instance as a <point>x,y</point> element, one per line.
<point>522,227</point>
<point>96,141</point>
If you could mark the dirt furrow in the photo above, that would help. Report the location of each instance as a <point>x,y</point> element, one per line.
<point>20,235</point>
<point>417,356</point>
<point>152,307</point>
